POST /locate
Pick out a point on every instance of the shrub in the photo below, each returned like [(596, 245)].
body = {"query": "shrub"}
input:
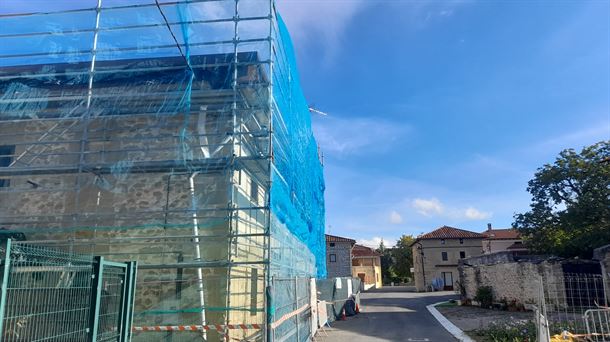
[(519, 331), (484, 296)]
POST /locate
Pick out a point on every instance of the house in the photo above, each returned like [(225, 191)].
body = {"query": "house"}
[(366, 265), (501, 240), (436, 255), (339, 256)]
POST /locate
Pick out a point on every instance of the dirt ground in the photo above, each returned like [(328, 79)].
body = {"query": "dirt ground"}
[(470, 318)]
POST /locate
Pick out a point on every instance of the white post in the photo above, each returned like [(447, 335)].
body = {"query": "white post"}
[(197, 248)]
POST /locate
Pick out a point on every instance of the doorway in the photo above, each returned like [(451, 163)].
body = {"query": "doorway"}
[(362, 276), (447, 281)]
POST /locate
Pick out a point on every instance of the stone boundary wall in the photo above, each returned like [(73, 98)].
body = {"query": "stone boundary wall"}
[(516, 280), (602, 254)]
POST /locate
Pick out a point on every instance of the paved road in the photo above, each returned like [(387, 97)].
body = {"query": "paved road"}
[(391, 314)]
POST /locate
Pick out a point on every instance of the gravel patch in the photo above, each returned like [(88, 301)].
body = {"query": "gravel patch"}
[(471, 318)]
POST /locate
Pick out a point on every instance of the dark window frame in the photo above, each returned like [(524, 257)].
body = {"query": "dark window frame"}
[(462, 254), (332, 258), (444, 256)]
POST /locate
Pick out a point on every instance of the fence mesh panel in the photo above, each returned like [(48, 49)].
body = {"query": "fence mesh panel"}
[(48, 295), (575, 305), (52, 295)]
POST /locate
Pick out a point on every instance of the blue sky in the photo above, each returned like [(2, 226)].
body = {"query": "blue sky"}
[(441, 111)]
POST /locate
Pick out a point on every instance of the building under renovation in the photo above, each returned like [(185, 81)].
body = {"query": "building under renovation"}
[(173, 133)]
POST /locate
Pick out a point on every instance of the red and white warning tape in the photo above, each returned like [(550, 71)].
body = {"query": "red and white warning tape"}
[(288, 316), (217, 327)]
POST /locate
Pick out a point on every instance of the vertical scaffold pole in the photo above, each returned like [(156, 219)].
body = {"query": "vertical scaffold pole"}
[(296, 305), (267, 242), (5, 281)]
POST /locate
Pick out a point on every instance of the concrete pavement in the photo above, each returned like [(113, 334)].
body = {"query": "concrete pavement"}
[(391, 314)]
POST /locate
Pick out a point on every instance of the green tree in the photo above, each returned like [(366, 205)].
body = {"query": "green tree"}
[(570, 211), (403, 257), (387, 262)]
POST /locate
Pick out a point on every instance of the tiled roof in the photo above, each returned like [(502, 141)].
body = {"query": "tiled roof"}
[(363, 251), (501, 234), (333, 238), (446, 232)]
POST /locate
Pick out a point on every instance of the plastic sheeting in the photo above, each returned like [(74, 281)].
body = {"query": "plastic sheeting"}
[(174, 133)]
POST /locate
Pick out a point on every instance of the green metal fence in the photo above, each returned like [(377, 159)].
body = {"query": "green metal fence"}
[(49, 295)]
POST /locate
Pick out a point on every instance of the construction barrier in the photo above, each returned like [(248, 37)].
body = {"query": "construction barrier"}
[(217, 327)]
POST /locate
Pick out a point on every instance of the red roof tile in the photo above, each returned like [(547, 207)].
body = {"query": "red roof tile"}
[(446, 232), (501, 234), (363, 251), (333, 238)]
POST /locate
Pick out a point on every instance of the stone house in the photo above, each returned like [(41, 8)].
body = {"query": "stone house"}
[(436, 255), (366, 265), (339, 256), (500, 240)]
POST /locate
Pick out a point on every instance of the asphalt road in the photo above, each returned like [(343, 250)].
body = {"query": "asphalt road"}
[(391, 314)]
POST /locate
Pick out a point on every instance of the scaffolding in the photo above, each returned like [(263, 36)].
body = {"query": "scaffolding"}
[(169, 132)]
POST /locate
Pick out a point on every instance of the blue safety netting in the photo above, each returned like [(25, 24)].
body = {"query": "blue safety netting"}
[(297, 192), (129, 129)]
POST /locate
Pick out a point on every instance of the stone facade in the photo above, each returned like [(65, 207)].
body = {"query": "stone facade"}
[(338, 256), (602, 255), (368, 269), (514, 279), (436, 255), (123, 212)]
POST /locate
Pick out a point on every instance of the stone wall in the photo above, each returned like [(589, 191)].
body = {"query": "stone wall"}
[(602, 255), (342, 267), (516, 281)]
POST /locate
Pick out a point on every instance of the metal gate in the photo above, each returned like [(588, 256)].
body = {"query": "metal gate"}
[(56, 296)]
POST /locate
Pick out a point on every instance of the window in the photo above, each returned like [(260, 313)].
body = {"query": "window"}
[(444, 256), (462, 254), (332, 244), (6, 157), (254, 191), (442, 241), (461, 241), (332, 257)]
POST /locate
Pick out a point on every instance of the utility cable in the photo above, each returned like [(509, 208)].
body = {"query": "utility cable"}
[(169, 28)]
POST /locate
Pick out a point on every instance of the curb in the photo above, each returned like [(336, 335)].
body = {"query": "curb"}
[(450, 327)]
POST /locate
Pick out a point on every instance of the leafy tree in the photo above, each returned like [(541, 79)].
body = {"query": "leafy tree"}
[(387, 262), (570, 211), (403, 257)]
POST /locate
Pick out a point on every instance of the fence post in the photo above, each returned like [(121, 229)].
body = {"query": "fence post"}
[(5, 275), (128, 301), (96, 296)]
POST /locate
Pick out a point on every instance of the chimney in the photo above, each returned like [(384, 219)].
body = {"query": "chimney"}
[(489, 227)]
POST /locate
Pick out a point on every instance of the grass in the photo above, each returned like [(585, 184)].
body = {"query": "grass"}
[(448, 304)]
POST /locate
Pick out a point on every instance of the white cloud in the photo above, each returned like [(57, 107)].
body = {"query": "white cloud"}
[(428, 207), (395, 217), (320, 21), (375, 241), (474, 214), (434, 207), (350, 136)]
